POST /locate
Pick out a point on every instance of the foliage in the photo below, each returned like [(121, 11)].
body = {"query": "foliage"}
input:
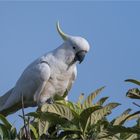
[(85, 119), (7, 131), (133, 93)]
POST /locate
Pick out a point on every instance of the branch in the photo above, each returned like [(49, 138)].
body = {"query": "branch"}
[(136, 104), (27, 134)]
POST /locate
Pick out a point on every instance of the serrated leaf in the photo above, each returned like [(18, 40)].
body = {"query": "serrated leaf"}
[(58, 109), (101, 113), (42, 126), (85, 114), (132, 137), (75, 109), (88, 101), (122, 118), (103, 135), (63, 135), (53, 119), (133, 81), (121, 129), (68, 104), (133, 93), (130, 117), (127, 111), (80, 99), (101, 101)]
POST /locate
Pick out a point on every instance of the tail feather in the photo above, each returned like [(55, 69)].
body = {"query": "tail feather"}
[(5, 97), (15, 107), (3, 100)]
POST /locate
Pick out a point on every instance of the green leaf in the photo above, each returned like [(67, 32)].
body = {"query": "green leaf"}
[(68, 104), (1, 133), (133, 81), (101, 113), (75, 109), (69, 132), (133, 93), (13, 133), (121, 129), (133, 137), (52, 119), (118, 120), (4, 132), (65, 94), (58, 109), (33, 129), (5, 122), (40, 127), (131, 116), (122, 118), (32, 114), (58, 97), (101, 101), (85, 115), (21, 134), (88, 101), (80, 100)]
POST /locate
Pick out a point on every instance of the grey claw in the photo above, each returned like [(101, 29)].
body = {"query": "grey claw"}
[(50, 101)]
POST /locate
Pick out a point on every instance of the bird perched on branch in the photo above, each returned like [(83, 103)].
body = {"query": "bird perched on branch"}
[(49, 75)]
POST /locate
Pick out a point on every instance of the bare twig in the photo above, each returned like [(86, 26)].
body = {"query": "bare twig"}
[(28, 124), (25, 126), (136, 104)]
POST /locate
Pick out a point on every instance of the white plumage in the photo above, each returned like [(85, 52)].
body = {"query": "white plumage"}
[(51, 74)]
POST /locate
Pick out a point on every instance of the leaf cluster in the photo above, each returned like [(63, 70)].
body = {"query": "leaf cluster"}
[(85, 119)]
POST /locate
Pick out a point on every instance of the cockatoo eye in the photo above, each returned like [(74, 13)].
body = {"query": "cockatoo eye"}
[(74, 47)]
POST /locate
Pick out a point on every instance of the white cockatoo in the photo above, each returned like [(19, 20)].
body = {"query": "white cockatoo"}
[(49, 75)]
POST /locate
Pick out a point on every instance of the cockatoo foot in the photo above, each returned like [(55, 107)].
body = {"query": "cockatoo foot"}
[(50, 101)]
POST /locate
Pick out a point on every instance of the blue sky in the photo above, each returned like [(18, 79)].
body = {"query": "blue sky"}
[(28, 30)]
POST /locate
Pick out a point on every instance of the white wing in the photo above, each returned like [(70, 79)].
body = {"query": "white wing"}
[(30, 86)]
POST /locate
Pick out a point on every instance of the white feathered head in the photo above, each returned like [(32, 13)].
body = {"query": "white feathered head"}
[(79, 45)]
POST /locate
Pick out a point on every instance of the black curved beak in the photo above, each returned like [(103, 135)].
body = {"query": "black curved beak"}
[(80, 56)]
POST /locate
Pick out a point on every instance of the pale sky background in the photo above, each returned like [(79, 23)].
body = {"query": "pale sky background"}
[(28, 30)]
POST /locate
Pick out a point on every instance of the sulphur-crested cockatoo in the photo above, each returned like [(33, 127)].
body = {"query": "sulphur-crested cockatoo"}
[(49, 75)]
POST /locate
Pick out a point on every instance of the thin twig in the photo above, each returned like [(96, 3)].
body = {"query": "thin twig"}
[(136, 104), (25, 127), (28, 124)]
